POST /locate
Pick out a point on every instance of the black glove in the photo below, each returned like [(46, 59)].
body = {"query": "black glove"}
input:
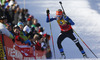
[(48, 12)]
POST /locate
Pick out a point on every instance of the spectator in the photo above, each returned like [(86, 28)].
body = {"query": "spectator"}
[(35, 24), (29, 20), (11, 3), (16, 16), (41, 30), (3, 28), (6, 4), (7, 13), (1, 11), (27, 31), (36, 42), (26, 14), (22, 16), (9, 27), (16, 30), (23, 35), (45, 41)]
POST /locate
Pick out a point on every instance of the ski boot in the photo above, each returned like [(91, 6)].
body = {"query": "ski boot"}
[(85, 56), (63, 55)]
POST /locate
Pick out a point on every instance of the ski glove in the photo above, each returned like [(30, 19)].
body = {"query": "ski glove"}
[(48, 12)]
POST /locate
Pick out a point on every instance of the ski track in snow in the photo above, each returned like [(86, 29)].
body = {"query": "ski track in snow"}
[(85, 14)]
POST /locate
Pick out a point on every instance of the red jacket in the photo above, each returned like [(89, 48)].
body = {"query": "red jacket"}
[(18, 38), (38, 46)]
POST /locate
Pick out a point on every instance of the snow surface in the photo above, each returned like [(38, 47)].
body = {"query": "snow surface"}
[(85, 14)]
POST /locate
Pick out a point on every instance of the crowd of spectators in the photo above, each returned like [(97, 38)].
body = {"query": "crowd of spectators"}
[(23, 26)]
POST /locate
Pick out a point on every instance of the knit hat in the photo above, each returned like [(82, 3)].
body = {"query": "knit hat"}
[(45, 34), (59, 12), (20, 23), (31, 16), (28, 19)]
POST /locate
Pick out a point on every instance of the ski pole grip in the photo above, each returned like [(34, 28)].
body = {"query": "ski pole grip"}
[(60, 2), (47, 11)]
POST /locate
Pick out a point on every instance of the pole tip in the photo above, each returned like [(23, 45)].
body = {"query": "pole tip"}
[(60, 2)]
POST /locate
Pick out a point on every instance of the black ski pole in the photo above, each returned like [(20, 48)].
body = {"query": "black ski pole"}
[(62, 9), (86, 44), (48, 12), (76, 33)]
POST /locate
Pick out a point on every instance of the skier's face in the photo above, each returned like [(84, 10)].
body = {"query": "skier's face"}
[(59, 17)]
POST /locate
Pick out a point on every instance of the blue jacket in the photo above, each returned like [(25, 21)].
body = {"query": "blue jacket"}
[(65, 18)]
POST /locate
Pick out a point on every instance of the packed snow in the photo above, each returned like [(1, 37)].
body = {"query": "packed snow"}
[(85, 14)]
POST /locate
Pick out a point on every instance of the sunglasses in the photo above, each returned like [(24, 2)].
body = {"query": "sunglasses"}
[(59, 15)]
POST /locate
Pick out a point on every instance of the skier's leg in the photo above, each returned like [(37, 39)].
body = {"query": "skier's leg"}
[(76, 41), (80, 48), (59, 40)]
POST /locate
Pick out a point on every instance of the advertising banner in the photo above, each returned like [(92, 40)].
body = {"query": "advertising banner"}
[(18, 51)]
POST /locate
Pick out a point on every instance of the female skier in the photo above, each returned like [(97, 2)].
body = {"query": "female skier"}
[(66, 31)]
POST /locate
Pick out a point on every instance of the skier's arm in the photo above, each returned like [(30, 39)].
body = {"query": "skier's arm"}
[(51, 19), (48, 19), (69, 20)]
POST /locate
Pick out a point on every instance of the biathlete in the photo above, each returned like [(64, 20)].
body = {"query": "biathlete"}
[(66, 31)]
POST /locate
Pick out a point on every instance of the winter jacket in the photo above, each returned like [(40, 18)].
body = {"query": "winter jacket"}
[(7, 13), (16, 17), (1, 12), (18, 38), (64, 23), (38, 46), (23, 35), (22, 38)]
